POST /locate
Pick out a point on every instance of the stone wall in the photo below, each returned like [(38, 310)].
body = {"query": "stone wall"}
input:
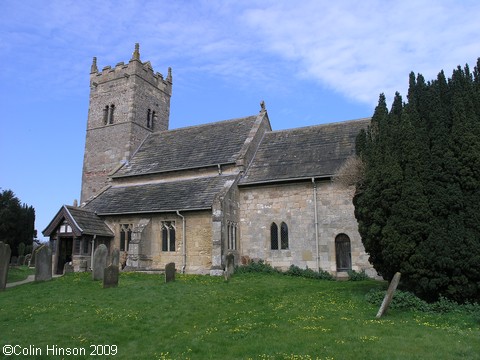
[(151, 257), (293, 204)]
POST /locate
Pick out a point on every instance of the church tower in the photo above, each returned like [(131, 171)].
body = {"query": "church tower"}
[(127, 103)]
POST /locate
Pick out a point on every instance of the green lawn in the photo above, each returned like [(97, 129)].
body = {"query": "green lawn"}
[(18, 273), (253, 316)]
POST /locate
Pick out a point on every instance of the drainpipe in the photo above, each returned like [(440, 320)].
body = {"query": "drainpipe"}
[(93, 248), (316, 222), (184, 249)]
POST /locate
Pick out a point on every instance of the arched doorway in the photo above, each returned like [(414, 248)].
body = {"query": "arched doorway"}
[(343, 252)]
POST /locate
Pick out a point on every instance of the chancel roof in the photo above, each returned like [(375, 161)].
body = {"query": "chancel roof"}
[(315, 151), (183, 195), (190, 147), (82, 221)]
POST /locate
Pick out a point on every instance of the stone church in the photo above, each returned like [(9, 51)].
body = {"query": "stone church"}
[(194, 195)]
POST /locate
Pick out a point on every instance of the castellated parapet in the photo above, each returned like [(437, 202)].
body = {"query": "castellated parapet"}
[(127, 103)]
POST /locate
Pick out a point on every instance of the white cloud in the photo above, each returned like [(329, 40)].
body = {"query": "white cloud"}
[(363, 48)]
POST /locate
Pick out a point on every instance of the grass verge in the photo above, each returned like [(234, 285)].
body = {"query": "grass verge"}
[(252, 316), (19, 273)]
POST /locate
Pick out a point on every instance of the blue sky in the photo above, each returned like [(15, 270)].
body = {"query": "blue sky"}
[(312, 62)]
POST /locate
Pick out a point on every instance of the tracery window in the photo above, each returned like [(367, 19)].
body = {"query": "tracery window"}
[(168, 235), (125, 236), (108, 114), (232, 235)]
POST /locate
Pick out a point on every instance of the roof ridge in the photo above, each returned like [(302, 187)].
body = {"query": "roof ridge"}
[(344, 122), (208, 124)]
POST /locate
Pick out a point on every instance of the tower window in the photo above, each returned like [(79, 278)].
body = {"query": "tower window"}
[(108, 114), (150, 118)]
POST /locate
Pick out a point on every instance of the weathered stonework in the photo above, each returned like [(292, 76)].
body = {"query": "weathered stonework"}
[(135, 92), (293, 204)]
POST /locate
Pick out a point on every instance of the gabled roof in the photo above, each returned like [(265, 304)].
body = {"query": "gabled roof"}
[(184, 195), (82, 221), (315, 151), (190, 147)]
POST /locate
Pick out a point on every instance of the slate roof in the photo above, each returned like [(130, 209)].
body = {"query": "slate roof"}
[(82, 221), (191, 194), (190, 147), (315, 151)]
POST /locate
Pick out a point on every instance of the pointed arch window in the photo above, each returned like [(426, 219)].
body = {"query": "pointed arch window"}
[(284, 236), (125, 236), (108, 114), (343, 252), (274, 236), (168, 235)]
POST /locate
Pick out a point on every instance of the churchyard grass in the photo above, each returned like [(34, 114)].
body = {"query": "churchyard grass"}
[(19, 273), (251, 316)]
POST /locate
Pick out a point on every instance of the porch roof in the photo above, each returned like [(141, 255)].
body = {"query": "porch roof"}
[(81, 220)]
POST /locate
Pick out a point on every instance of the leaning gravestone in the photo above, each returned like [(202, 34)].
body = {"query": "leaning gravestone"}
[(110, 276), (99, 262), (170, 272), (389, 295), (43, 263), (5, 253)]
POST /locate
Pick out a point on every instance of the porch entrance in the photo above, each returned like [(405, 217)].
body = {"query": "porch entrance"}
[(65, 249)]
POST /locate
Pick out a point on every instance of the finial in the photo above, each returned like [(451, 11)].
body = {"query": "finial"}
[(169, 76), (136, 53), (94, 68), (262, 106)]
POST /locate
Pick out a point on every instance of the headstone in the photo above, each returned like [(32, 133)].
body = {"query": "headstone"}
[(170, 272), (110, 276), (33, 258), (13, 261), (5, 253), (83, 265), (389, 295), (99, 262), (116, 257), (43, 263), (28, 257), (68, 268), (21, 260), (230, 267)]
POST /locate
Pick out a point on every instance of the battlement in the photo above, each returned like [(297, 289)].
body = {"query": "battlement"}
[(135, 67)]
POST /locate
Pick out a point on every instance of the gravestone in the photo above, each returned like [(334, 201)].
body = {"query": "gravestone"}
[(83, 266), (5, 253), (116, 257), (68, 268), (14, 261), (28, 257), (389, 295), (110, 276), (21, 260), (230, 267), (170, 272), (99, 262), (43, 263), (32, 259)]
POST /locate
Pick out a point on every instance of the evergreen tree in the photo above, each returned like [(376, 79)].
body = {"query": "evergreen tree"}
[(419, 204), (17, 222)]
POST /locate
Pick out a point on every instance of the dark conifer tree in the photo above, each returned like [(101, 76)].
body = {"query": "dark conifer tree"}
[(418, 207)]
